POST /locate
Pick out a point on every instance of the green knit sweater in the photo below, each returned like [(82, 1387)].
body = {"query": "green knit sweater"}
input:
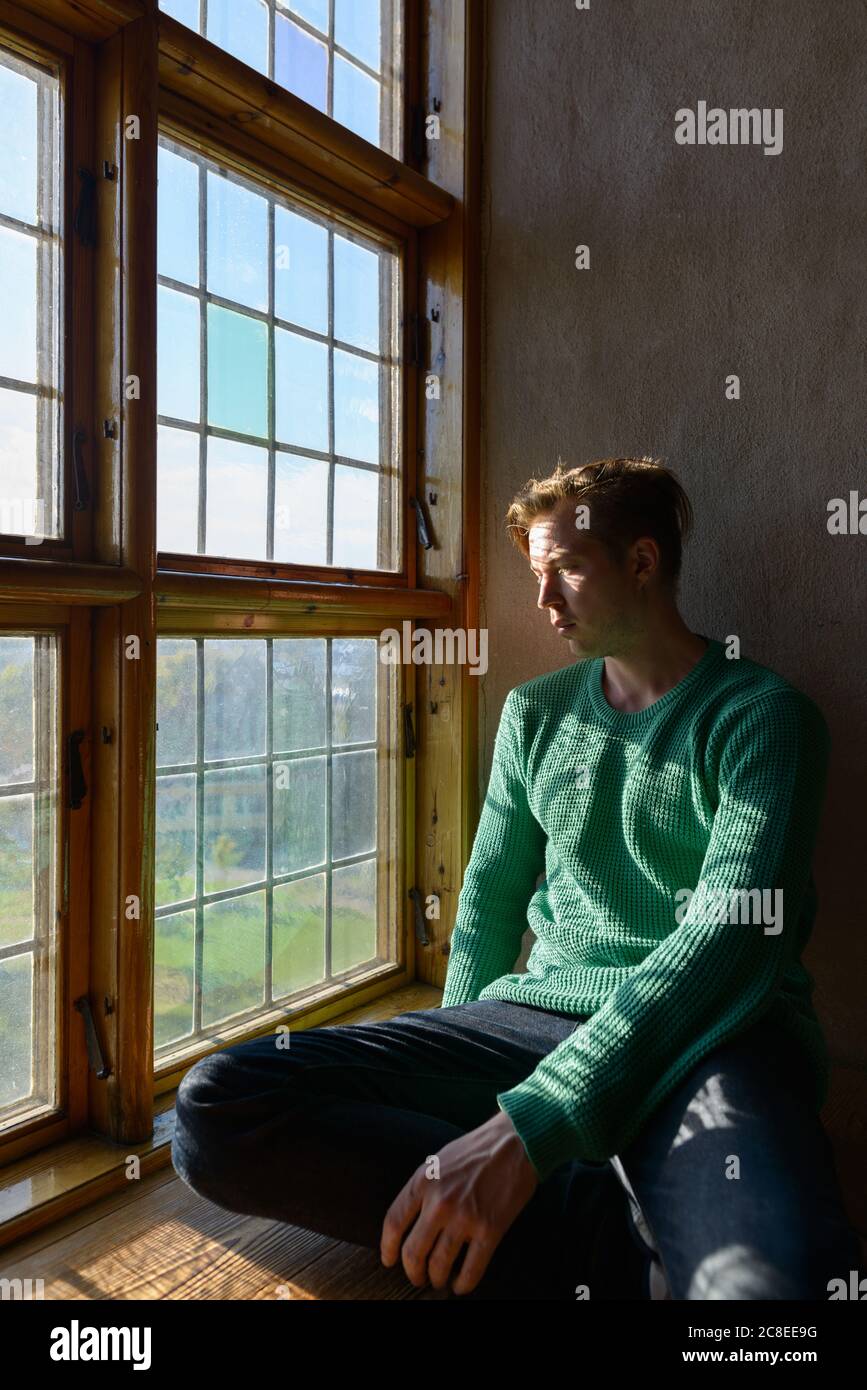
[(717, 788)]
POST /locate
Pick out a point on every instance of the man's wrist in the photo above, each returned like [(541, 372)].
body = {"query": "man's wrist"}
[(503, 1129)]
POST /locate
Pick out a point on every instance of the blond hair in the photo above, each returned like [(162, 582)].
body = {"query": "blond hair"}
[(627, 498)]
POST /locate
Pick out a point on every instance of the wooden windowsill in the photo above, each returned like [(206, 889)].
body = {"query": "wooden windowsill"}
[(43, 1187)]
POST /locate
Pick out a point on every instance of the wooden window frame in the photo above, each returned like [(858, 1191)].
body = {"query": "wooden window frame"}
[(106, 583)]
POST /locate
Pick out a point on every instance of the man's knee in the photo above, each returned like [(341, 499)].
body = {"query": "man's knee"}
[(201, 1132)]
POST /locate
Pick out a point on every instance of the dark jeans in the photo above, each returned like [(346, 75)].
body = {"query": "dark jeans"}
[(324, 1134)]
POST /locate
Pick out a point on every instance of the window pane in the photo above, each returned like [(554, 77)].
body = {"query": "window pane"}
[(293, 42), (301, 63), (237, 222), (31, 292), (237, 372), (233, 957), (356, 407), (302, 390), (356, 28), (28, 874), (177, 487), (301, 377), (237, 499), (241, 27), (271, 851), (178, 217), (300, 270), (178, 390), (301, 510), (356, 294), (356, 99)]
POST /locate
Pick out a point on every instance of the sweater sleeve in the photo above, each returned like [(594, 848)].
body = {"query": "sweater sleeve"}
[(708, 979), (508, 856)]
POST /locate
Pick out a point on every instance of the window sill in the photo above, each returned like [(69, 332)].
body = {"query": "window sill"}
[(46, 1186)]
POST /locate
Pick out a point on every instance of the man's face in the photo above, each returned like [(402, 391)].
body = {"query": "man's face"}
[(581, 584)]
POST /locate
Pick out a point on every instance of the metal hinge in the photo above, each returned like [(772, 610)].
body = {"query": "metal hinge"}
[(94, 1051), (421, 523), (421, 935)]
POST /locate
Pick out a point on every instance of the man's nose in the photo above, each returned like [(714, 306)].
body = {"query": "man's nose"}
[(548, 592)]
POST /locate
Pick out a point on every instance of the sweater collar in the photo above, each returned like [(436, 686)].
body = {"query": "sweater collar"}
[(633, 719)]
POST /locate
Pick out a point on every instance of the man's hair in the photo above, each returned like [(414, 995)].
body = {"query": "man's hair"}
[(627, 498)]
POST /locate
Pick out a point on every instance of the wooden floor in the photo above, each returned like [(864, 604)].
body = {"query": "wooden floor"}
[(162, 1241)]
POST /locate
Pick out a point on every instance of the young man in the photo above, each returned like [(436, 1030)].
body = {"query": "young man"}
[(661, 1046)]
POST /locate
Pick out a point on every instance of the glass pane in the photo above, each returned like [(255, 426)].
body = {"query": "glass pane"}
[(356, 407), (302, 390), (353, 928), (177, 489), (233, 957), (234, 699), (299, 814), (19, 159), (16, 710), (353, 690), (31, 293), (28, 873), (16, 868), (300, 270), (353, 804), (174, 973), (241, 27), (301, 63), (237, 522), (16, 1030), (178, 385), (356, 517), (234, 831), (175, 840), (356, 100), (19, 511), (237, 242), (18, 297), (176, 702), (300, 712), (237, 372), (299, 934), (178, 217), (301, 510), (356, 294), (356, 28)]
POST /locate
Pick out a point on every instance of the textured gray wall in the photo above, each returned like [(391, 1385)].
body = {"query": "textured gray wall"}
[(705, 261)]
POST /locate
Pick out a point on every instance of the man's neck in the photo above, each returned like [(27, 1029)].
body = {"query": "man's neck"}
[(658, 659)]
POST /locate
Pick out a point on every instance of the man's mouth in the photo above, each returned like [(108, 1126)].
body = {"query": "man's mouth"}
[(563, 626)]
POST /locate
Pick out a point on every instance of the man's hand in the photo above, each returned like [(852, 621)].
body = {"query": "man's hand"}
[(485, 1180)]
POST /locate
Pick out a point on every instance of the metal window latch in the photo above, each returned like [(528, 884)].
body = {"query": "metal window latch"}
[(94, 1051), (421, 523), (77, 784), (408, 732), (81, 496), (85, 214), (420, 927)]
